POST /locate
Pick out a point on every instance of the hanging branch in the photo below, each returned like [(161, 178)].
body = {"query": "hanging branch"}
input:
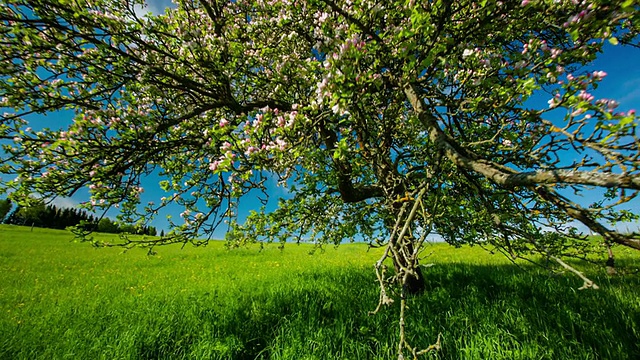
[(587, 282)]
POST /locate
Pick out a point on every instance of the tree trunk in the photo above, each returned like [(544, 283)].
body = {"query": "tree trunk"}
[(392, 180), (610, 264), (415, 284)]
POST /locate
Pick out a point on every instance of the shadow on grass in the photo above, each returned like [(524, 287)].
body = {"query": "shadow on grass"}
[(506, 312), (484, 312)]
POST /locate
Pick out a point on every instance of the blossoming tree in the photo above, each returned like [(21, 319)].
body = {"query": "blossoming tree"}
[(387, 120)]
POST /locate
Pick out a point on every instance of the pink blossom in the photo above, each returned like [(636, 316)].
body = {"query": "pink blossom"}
[(577, 112), (544, 45), (583, 95), (213, 166), (250, 150), (598, 75), (223, 122), (281, 144), (292, 119), (611, 104), (322, 17), (554, 102), (524, 3)]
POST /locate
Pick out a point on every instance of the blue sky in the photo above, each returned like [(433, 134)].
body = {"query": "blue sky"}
[(622, 84)]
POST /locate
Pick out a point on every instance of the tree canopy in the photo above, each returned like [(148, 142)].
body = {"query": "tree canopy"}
[(386, 120)]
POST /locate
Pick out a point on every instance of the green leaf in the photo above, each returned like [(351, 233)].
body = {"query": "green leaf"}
[(164, 185)]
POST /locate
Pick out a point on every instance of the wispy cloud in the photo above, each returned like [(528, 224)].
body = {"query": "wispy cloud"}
[(155, 7), (630, 93), (622, 227), (276, 188), (627, 227), (60, 201)]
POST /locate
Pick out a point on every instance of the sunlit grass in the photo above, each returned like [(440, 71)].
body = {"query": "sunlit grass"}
[(60, 299)]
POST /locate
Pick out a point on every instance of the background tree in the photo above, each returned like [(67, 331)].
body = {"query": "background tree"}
[(32, 215), (105, 225), (150, 230), (13, 218), (5, 208), (49, 216), (387, 120)]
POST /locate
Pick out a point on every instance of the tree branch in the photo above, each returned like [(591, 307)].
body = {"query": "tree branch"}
[(508, 177), (587, 283)]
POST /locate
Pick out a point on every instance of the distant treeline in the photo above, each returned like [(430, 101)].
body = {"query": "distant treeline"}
[(53, 217)]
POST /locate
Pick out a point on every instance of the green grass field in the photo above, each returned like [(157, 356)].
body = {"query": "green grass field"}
[(66, 300)]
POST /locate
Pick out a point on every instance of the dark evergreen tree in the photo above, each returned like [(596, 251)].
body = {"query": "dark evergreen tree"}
[(14, 217), (5, 208), (51, 216)]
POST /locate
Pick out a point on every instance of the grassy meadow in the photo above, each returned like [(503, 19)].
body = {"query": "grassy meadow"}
[(66, 300)]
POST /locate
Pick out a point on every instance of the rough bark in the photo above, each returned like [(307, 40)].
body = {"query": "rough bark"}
[(415, 284)]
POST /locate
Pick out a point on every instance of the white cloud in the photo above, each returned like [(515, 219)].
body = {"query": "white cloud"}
[(60, 201), (65, 202)]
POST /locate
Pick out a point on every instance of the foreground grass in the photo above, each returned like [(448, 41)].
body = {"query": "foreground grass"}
[(60, 299)]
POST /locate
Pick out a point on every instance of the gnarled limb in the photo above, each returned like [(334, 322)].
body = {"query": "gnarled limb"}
[(507, 177)]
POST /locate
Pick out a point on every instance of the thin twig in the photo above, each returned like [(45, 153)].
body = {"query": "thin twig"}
[(587, 283)]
